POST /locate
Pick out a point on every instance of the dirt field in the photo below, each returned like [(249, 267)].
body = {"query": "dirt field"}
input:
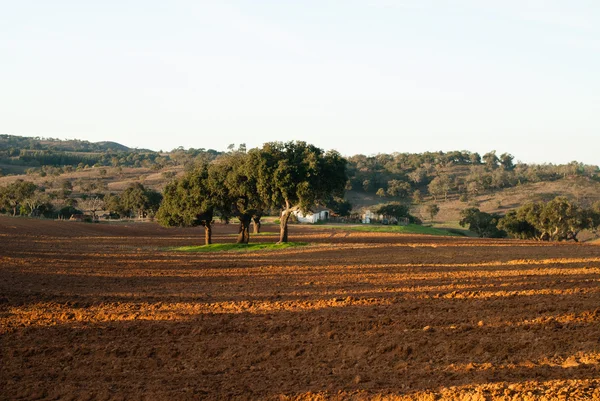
[(97, 311)]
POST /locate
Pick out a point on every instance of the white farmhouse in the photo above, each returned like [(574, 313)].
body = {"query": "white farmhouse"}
[(315, 214)]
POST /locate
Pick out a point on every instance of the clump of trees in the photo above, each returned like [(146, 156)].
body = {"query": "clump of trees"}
[(25, 198), (485, 225), (135, 201), (445, 174), (397, 211), (557, 220), (287, 176)]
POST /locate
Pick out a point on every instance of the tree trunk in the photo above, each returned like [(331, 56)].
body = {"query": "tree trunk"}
[(283, 226), (207, 233), (256, 221), (244, 230)]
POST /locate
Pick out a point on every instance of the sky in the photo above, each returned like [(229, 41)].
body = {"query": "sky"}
[(371, 76)]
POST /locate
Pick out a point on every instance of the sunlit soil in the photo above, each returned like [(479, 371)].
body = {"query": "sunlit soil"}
[(93, 311)]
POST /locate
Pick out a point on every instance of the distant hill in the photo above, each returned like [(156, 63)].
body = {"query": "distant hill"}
[(452, 180), (15, 142), (107, 145)]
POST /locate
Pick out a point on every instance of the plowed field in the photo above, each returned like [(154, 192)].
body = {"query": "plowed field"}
[(99, 311)]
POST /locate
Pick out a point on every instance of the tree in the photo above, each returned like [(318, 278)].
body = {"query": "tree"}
[(15, 194), (92, 204), (66, 188), (557, 220), (398, 188), (440, 185), (562, 220), (139, 200), (38, 204), (481, 223), (112, 204), (191, 201), (517, 226), (340, 206), (397, 211), (235, 178), (475, 158), (296, 176), (418, 176), (432, 210), (417, 197), (491, 160), (506, 160), (380, 192)]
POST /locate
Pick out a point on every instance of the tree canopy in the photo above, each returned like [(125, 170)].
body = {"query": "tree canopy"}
[(557, 220), (296, 176)]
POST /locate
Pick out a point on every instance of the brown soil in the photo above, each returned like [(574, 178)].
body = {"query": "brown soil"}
[(99, 311)]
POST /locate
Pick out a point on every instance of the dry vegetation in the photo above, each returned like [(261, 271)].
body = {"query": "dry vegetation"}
[(98, 311)]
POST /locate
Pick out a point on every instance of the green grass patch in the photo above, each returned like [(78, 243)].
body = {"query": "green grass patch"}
[(409, 229), (238, 247)]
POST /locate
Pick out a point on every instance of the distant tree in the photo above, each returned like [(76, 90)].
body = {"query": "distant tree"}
[(418, 176), (13, 196), (557, 220), (112, 204), (139, 200), (398, 188), (441, 185), (491, 160), (506, 160), (417, 197), (37, 204), (516, 225), (475, 158), (432, 210), (485, 225), (92, 204), (66, 188), (67, 211), (398, 211), (340, 206), (381, 193)]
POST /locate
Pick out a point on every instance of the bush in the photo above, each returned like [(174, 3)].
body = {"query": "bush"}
[(67, 211), (483, 224)]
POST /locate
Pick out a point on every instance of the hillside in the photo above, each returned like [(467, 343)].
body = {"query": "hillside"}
[(453, 180)]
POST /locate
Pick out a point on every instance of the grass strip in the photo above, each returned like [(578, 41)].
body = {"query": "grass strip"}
[(409, 229)]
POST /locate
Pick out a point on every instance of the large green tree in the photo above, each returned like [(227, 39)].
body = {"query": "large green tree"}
[(235, 177), (295, 176), (192, 200)]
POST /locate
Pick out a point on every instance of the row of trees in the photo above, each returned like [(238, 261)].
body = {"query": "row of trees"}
[(439, 174), (557, 220), (287, 176), (26, 198)]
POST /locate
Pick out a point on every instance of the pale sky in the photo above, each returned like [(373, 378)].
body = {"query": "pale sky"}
[(372, 76)]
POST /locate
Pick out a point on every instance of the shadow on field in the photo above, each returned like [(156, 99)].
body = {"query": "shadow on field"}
[(243, 355)]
